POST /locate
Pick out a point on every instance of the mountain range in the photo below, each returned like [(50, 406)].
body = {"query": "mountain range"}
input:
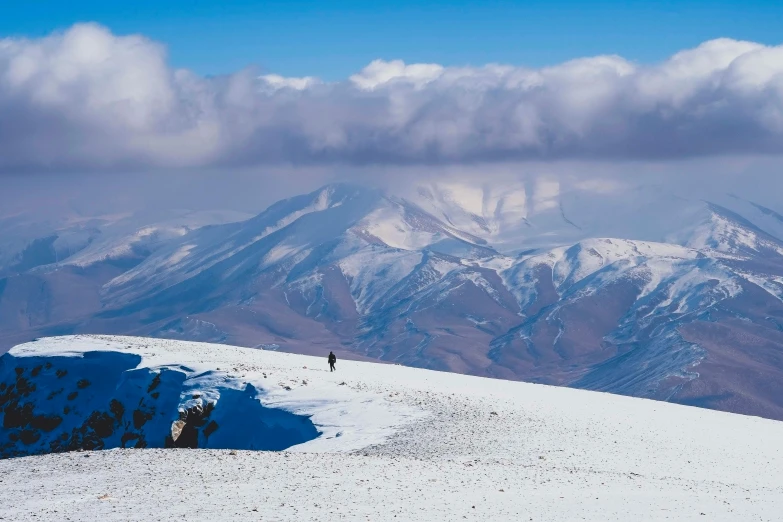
[(640, 291)]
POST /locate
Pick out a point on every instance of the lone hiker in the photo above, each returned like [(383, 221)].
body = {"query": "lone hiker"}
[(332, 360)]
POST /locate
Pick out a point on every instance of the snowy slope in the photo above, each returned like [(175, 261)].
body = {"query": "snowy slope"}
[(414, 445), (80, 241), (133, 239)]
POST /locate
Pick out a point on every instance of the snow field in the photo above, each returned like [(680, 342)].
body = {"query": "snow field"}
[(416, 445)]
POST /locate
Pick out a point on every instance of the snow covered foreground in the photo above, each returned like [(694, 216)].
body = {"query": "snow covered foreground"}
[(412, 445)]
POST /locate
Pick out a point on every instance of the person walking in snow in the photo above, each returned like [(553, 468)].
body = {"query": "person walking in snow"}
[(332, 360)]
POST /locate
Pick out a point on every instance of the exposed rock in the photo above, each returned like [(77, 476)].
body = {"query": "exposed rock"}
[(190, 422), (176, 429), (154, 384), (210, 428), (140, 418), (112, 403)]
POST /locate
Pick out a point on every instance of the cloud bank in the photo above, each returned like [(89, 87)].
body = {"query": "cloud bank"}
[(86, 99)]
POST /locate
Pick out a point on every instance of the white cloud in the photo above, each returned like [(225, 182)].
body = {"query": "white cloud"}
[(88, 99), (380, 73), (275, 82)]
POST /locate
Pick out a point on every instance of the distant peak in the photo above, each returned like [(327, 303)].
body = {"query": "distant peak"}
[(343, 191)]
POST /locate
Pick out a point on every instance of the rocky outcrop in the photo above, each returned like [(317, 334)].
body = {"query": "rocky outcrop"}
[(192, 421), (102, 400)]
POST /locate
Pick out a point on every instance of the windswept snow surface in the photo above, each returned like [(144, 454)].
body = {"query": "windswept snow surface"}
[(416, 445)]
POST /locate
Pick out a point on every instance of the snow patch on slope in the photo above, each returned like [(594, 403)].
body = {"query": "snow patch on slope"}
[(390, 227), (726, 234), (114, 245), (589, 256), (373, 272), (322, 202)]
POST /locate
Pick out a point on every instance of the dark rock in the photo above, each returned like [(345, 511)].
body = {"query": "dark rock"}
[(140, 418), (29, 436), (185, 430), (24, 387), (117, 409), (45, 422), (101, 423), (154, 384), (210, 428), (17, 416), (54, 394), (127, 437)]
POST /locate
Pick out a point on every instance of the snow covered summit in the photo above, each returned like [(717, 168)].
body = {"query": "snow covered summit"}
[(371, 441)]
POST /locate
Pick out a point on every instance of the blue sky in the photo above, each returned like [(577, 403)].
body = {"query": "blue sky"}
[(333, 39)]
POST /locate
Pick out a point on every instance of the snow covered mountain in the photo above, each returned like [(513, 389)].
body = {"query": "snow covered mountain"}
[(641, 292), (78, 240), (371, 441)]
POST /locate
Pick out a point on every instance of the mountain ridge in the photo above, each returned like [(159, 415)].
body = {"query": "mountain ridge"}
[(473, 280)]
